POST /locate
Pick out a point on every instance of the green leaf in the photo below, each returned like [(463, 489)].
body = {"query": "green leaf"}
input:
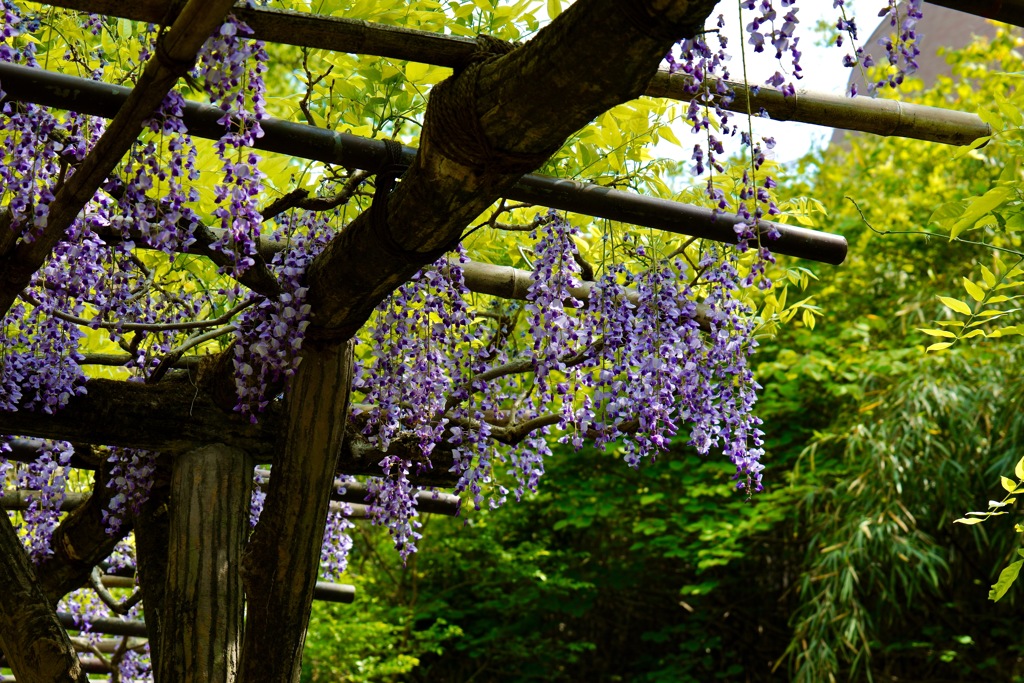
[(650, 498), (976, 292), (967, 149), (940, 346), (415, 71), (969, 520), (1005, 580), (1018, 469), (1009, 112), (554, 8), (980, 206), (1008, 484), (937, 333), (956, 305), (988, 276), (1015, 222), (991, 118)]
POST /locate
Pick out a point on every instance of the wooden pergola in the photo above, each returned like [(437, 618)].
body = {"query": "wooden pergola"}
[(308, 440)]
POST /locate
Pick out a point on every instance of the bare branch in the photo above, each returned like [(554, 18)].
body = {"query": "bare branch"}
[(121, 607), (146, 327)]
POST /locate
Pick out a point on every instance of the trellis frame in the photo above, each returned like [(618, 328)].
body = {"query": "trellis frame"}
[(24, 259)]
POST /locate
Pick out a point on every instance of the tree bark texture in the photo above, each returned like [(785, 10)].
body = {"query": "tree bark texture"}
[(281, 563), (203, 601), (36, 646), (595, 55), (152, 539), (172, 416)]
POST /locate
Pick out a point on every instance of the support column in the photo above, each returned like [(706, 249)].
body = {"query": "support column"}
[(282, 559), (203, 601)]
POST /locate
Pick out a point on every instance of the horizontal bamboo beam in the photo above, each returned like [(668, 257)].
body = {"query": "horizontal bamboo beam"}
[(864, 114), (105, 645), (426, 501), (324, 590), (878, 116), (25, 450), (107, 626), (309, 142), (21, 500)]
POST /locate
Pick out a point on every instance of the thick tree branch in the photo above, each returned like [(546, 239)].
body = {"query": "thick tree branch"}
[(280, 564), (174, 415), (34, 643), (595, 55), (203, 599)]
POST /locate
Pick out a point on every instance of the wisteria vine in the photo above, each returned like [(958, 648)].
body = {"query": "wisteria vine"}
[(656, 346)]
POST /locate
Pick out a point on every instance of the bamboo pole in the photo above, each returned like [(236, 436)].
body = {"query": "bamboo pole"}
[(426, 501), (22, 499), (338, 34), (309, 142), (861, 114)]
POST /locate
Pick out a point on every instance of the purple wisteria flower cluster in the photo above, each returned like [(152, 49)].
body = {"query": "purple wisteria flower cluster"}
[(767, 26), (420, 346), (131, 477), (901, 46), (656, 346), (269, 334), (232, 67), (634, 362), (96, 279), (48, 476)]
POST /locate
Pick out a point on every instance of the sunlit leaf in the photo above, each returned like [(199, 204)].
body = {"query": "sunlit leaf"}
[(976, 292), (988, 276), (937, 333), (969, 520), (956, 305), (1005, 580)]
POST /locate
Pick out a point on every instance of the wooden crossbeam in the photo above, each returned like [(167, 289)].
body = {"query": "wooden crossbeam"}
[(863, 114)]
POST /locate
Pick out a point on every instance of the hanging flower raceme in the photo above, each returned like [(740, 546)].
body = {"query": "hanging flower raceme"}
[(231, 67), (269, 334), (131, 478), (47, 477), (420, 348)]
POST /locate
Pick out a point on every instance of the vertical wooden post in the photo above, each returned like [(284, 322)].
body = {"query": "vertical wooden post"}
[(203, 601), (152, 539), (281, 562)]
